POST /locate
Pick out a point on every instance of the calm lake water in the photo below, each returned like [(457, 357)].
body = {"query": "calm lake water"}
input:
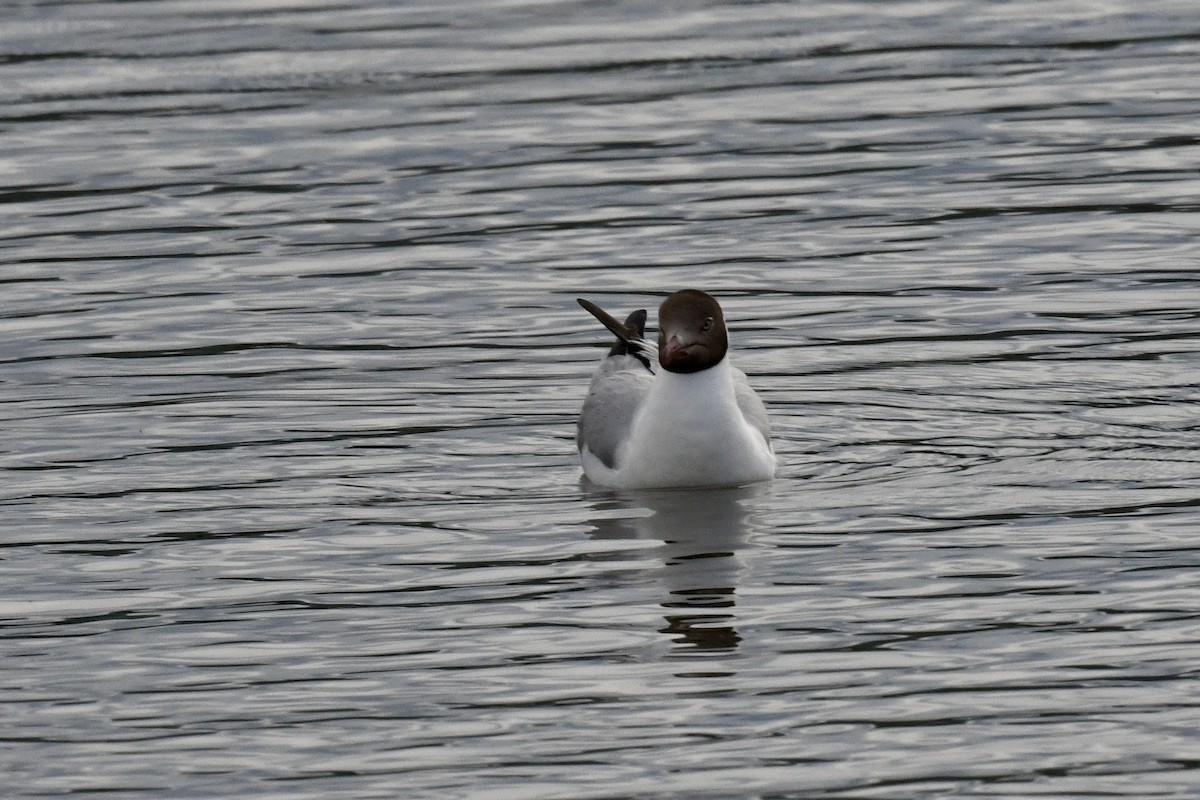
[(290, 363)]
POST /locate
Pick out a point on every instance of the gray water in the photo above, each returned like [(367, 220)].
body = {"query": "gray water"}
[(290, 363)]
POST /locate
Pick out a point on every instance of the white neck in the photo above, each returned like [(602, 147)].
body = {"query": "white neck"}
[(694, 393)]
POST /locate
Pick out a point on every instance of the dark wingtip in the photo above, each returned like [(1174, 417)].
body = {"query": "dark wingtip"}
[(636, 322), (618, 329), (629, 333)]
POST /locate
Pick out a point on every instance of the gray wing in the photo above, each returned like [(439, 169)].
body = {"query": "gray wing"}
[(751, 405), (618, 389)]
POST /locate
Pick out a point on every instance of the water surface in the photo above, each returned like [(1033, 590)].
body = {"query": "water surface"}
[(290, 363)]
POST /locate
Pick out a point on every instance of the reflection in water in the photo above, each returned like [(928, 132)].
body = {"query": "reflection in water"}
[(701, 531)]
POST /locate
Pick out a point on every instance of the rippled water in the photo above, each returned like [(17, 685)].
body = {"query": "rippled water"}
[(290, 364)]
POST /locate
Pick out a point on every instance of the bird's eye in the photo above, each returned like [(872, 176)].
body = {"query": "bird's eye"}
[(708, 323)]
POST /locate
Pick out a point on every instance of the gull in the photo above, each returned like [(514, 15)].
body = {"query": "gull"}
[(692, 421)]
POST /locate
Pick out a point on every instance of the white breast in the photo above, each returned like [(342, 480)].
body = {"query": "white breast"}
[(689, 431)]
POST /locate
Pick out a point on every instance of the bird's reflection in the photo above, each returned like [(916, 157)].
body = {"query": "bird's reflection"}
[(701, 531)]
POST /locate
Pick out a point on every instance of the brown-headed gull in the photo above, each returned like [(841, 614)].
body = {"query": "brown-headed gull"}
[(694, 421)]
